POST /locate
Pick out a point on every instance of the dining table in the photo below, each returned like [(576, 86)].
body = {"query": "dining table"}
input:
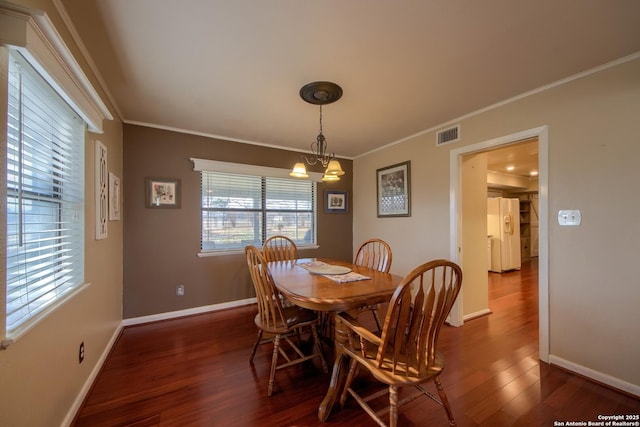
[(332, 286)]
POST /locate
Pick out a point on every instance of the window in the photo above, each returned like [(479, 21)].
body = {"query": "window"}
[(240, 210), (45, 197)]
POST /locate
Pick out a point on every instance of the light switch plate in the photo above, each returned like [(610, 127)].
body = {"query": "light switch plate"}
[(571, 217)]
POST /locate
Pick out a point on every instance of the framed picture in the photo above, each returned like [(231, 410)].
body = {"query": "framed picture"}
[(162, 193), (335, 201), (102, 190), (114, 197), (394, 190)]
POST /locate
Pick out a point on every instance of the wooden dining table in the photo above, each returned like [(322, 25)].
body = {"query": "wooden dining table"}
[(321, 293)]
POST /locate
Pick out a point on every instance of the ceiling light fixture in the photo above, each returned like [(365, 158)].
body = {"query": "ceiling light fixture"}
[(320, 93)]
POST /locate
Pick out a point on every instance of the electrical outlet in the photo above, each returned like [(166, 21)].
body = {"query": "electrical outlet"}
[(180, 290), (81, 352)]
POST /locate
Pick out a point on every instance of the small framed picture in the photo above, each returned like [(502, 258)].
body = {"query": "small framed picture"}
[(114, 197), (335, 201), (394, 190), (162, 193)]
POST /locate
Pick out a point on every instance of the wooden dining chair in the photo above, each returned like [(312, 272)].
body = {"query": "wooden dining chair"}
[(280, 321), (375, 254), (279, 248), (405, 354)]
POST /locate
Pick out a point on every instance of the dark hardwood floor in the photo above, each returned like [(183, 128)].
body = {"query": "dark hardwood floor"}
[(195, 371)]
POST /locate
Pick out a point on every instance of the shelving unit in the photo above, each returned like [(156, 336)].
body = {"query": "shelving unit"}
[(525, 229)]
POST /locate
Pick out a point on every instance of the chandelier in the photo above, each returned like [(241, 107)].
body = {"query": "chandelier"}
[(320, 93)]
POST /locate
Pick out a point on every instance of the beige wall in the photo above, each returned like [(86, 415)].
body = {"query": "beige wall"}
[(594, 148), (161, 245), (41, 376), (474, 235)]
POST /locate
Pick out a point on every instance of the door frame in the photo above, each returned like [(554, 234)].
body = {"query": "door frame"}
[(456, 248)]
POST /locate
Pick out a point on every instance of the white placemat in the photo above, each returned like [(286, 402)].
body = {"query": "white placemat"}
[(345, 278), (337, 273)]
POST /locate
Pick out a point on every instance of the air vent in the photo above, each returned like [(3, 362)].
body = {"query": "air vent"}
[(448, 135)]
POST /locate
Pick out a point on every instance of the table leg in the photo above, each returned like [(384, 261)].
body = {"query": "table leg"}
[(326, 327), (338, 377), (338, 374)]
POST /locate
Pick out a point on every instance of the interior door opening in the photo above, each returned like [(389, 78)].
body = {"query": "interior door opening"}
[(462, 248)]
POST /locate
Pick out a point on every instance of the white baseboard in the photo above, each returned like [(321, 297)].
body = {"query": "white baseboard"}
[(187, 312), (137, 321), (476, 314), (600, 377)]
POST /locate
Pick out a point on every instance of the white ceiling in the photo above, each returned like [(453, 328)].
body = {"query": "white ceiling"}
[(519, 159), (233, 68)]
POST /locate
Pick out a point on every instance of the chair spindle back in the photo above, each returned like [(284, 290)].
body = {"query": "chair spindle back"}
[(375, 254), (417, 311), (268, 297), (279, 248)]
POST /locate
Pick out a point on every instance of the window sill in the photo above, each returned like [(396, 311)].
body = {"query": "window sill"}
[(241, 251), (10, 339)]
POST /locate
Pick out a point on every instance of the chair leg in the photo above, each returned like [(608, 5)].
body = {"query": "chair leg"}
[(274, 361), (445, 401), (255, 346), (393, 406), (376, 318)]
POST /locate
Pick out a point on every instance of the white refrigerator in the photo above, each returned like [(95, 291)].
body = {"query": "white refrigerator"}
[(503, 229)]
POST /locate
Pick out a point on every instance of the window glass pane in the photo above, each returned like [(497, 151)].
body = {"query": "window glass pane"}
[(228, 230), (238, 210), (287, 194), (297, 226), (228, 191), (45, 196)]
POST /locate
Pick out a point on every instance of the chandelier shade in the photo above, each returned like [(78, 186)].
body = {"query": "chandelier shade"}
[(299, 171), (334, 168)]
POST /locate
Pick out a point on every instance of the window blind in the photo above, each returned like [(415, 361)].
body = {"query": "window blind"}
[(239, 210), (45, 196)]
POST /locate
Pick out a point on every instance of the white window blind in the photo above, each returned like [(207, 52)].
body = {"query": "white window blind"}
[(239, 210), (45, 197)]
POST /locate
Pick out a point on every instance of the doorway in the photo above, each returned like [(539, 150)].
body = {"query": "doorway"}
[(457, 243)]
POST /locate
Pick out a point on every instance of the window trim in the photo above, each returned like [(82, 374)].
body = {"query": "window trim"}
[(200, 165), (33, 34), (206, 165)]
